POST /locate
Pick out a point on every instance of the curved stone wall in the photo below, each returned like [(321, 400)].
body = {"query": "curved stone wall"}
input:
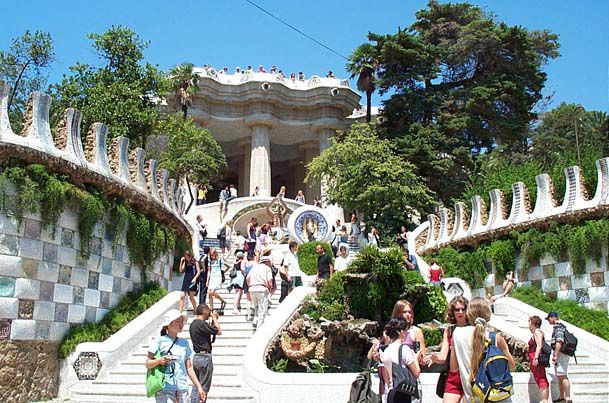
[(455, 228)]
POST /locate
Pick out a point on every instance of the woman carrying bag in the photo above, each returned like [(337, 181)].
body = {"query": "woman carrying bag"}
[(174, 355)]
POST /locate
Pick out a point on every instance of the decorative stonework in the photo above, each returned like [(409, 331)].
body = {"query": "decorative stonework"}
[(87, 366), (309, 223)]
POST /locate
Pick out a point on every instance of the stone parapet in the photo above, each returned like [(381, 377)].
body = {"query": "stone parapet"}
[(452, 229), (115, 171)]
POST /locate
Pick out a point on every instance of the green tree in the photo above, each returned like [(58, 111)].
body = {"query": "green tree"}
[(23, 67), (460, 83), (361, 64), (192, 153), (364, 173), (184, 84), (121, 92)]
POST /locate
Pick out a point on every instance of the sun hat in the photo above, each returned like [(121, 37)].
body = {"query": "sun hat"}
[(265, 259), (170, 316)]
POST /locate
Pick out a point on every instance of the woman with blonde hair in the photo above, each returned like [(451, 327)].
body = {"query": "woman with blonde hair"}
[(469, 344), (456, 315)]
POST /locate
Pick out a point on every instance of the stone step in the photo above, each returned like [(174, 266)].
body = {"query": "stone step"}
[(139, 379), (218, 359), (583, 374), (140, 370), (129, 391), (217, 351)]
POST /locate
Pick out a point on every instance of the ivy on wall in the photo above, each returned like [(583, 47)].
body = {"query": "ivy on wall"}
[(580, 242), (40, 191)]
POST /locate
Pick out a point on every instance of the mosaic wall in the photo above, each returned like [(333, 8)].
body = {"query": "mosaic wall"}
[(554, 275), (46, 285)]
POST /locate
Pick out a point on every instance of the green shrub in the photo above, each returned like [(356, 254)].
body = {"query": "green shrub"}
[(132, 305), (307, 257), (594, 321), (468, 266), (432, 306), (433, 337), (503, 255)]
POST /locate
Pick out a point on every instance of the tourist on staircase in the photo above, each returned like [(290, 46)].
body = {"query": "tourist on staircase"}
[(535, 350), (508, 286), (252, 234), (325, 268), (560, 359), (414, 335), (224, 235), (248, 266), (449, 383), (436, 273), (190, 267), (215, 279), (204, 267), (237, 280), (469, 344), (201, 229), (175, 355), (260, 283), (203, 334), (291, 275), (342, 260), (396, 330)]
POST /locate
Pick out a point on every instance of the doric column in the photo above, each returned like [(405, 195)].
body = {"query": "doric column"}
[(244, 180), (260, 165)]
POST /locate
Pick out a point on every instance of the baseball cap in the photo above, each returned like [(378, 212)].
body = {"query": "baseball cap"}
[(552, 315)]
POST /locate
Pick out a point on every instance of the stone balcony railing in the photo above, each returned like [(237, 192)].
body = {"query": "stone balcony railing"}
[(240, 78), (455, 228), (116, 171)]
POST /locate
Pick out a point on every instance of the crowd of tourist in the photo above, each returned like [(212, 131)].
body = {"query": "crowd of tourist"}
[(261, 69)]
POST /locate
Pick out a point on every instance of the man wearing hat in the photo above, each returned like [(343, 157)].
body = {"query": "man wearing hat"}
[(560, 360), (260, 283)]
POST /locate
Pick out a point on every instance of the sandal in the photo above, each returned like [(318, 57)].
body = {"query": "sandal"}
[(222, 305)]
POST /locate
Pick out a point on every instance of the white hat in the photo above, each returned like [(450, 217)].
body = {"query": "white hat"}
[(170, 316), (265, 259)]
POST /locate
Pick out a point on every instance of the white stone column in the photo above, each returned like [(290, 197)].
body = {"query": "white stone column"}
[(260, 160), (244, 180)]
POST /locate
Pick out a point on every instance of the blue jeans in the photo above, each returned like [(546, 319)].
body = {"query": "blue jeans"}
[(173, 396)]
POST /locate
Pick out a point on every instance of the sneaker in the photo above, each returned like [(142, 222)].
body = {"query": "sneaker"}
[(560, 399), (254, 326)]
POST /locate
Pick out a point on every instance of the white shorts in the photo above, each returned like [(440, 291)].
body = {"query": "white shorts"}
[(562, 365)]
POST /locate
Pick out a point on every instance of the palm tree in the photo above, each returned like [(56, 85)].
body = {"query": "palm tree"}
[(185, 84), (362, 64)]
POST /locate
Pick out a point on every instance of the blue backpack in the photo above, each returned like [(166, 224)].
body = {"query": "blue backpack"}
[(493, 381)]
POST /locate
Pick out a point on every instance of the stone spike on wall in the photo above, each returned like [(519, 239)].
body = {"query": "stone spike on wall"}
[(152, 183), (601, 196), (164, 186), (5, 124), (37, 128), (446, 225), (123, 160), (434, 227), (115, 172), (460, 227), (520, 210)]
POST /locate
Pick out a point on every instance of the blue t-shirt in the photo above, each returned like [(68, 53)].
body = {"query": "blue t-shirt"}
[(176, 377)]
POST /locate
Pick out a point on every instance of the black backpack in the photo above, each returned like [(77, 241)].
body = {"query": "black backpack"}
[(569, 345), (544, 355), (361, 390), (221, 232)]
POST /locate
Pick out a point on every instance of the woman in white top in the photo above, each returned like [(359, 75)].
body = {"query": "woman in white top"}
[(468, 345), (342, 260), (396, 331), (373, 237)]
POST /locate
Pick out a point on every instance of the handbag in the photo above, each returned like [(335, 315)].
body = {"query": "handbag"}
[(155, 377), (441, 385), (404, 382)]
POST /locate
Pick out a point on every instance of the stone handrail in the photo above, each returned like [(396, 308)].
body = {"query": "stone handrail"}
[(116, 171), (454, 228), (120, 344)]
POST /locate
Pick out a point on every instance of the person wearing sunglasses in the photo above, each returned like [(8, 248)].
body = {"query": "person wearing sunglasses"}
[(456, 316)]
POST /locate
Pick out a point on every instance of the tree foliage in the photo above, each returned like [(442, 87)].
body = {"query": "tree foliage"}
[(121, 92), (192, 153), (23, 67), (365, 173), (460, 83), (362, 63)]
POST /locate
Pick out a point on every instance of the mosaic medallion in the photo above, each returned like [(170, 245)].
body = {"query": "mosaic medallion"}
[(309, 224), (87, 366)]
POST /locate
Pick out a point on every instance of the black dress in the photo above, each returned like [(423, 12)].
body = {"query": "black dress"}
[(189, 273)]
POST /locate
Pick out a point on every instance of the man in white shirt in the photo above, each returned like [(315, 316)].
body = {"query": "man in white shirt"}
[(259, 282), (342, 260), (201, 229), (291, 275)]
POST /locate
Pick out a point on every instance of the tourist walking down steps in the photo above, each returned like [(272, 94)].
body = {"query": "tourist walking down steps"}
[(203, 334), (260, 284)]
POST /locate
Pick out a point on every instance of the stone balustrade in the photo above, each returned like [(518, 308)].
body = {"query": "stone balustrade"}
[(453, 228), (116, 171)]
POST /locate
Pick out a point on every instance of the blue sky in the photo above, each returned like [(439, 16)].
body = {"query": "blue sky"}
[(234, 33)]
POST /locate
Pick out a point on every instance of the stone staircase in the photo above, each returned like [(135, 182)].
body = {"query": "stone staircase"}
[(125, 381), (589, 377)]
